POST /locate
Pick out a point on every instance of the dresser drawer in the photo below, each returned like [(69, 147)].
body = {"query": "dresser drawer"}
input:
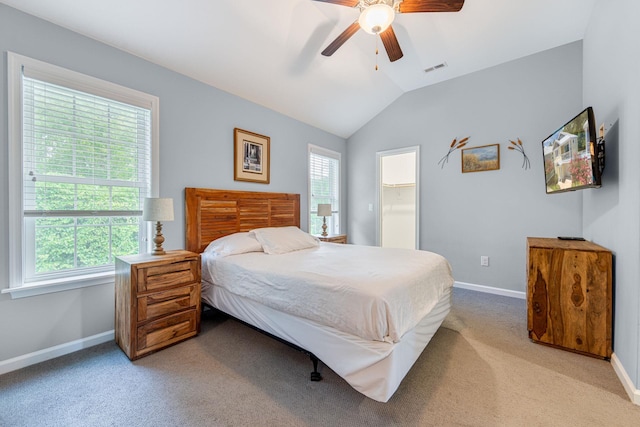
[(167, 302), (170, 274), (165, 331)]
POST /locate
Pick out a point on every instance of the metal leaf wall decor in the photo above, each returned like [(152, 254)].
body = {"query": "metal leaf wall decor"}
[(517, 146), (455, 144)]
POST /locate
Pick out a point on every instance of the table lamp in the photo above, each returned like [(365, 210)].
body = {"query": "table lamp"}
[(158, 209), (324, 210)]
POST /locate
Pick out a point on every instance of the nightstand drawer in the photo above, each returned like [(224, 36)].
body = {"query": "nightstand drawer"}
[(334, 238), (162, 276), (166, 331), (167, 302)]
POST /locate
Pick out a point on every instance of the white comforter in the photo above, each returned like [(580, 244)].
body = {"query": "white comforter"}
[(371, 292)]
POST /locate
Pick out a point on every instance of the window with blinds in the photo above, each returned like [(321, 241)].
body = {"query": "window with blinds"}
[(324, 188), (86, 169)]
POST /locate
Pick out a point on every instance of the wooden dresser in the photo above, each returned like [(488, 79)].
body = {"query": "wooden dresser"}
[(157, 301), (334, 238), (569, 295)]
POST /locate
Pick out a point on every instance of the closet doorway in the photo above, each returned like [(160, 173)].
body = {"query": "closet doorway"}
[(398, 198)]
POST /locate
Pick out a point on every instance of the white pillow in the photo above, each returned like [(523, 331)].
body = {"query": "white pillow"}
[(280, 240), (234, 244)]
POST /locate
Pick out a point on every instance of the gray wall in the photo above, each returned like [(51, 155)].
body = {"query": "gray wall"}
[(464, 216), (196, 149), (612, 214)]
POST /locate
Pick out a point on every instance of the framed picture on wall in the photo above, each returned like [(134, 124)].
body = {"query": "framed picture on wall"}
[(479, 159), (251, 156)]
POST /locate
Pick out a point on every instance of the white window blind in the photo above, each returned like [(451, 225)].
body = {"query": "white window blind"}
[(83, 155), (86, 153), (324, 186)]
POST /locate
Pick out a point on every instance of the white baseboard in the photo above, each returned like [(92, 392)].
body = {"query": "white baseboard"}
[(490, 290), (55, 351), (632, 391)]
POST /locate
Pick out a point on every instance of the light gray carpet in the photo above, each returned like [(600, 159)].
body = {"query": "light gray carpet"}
[(480, 369)]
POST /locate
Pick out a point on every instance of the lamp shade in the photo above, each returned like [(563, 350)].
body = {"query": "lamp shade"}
[(324, 209), (157, 209), (376, 18)]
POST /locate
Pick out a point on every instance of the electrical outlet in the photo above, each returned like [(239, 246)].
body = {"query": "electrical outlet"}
[(484, 261)]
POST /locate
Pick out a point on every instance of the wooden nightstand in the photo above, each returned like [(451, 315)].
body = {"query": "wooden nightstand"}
[(157, 301), (333, 238)]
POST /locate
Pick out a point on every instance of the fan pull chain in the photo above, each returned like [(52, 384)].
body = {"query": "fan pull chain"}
[(376, 53)]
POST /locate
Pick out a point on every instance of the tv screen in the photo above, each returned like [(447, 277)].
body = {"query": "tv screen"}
[(572, 158)]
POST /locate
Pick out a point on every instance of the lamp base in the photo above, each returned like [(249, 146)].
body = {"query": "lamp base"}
[(158, 240), (324, 227)]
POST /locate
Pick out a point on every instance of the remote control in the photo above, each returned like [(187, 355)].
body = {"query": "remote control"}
[(570, 238)]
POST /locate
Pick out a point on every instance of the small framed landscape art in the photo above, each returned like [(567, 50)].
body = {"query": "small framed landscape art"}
[(251, 156), (479, 159)]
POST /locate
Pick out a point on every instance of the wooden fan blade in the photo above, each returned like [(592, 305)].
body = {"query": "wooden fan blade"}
[(350, 3), (414, 6), (391, 44), (339, 41)]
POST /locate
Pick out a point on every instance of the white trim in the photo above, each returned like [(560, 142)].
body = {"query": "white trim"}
[(16, 66), (321, 151), (155, 168), (629, 387), (14, 126), (490, 290), (393, 152), (417, 152), (325, 152), (60, 76), (56, 351), (60, 284)]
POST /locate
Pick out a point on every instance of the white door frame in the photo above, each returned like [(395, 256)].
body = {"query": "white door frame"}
[(379, 155)]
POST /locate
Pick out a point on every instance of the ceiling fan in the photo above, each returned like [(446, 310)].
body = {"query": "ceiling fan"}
[(376, 17)]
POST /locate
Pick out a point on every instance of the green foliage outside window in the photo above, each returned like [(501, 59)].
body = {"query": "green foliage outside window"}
[(68, 243), (84, 155)]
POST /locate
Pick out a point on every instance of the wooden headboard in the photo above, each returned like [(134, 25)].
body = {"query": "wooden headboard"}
[(211, 214)]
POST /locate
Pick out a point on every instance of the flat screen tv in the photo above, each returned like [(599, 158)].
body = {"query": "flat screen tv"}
[(573, 157)]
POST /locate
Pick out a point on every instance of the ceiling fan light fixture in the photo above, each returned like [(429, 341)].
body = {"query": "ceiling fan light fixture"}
[(376, 18)]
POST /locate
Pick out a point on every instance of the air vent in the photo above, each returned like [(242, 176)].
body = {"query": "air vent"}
[(435, 67)]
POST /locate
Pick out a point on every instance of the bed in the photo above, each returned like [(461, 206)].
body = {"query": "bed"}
[(371, 340)]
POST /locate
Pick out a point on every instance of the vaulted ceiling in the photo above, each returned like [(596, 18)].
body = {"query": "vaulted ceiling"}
[(268, 51)]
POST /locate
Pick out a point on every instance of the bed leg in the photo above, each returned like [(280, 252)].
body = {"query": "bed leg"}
[(315, 375)]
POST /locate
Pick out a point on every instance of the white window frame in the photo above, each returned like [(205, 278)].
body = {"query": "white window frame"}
[(84, 83), (321, 151)]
